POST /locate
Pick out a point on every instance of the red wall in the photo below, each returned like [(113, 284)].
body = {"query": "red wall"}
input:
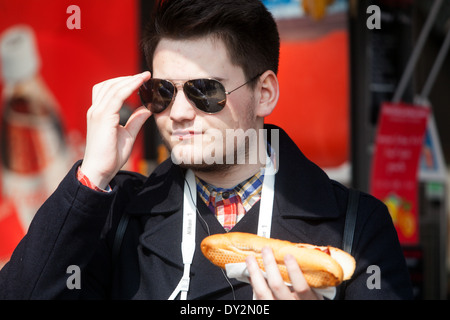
[(73, 61), (314, 99)]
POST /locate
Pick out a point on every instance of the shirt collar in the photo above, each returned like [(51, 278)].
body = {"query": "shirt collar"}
[(249, 191)]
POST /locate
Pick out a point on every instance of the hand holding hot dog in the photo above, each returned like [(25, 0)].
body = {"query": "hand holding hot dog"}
[(303, 266), (273, 287)]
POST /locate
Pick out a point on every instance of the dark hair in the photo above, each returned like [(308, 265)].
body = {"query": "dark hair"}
[(245, 26)]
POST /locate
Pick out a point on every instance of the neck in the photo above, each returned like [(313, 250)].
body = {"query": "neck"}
[(230, 176)]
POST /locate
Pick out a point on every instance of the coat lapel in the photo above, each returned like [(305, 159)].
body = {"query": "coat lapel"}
[(302, 188), (304, 195), (160, 204)]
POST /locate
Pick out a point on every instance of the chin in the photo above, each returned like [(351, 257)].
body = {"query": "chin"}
[(198, 162), (206, 167)]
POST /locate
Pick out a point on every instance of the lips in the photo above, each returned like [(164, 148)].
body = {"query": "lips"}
[(184, 134)]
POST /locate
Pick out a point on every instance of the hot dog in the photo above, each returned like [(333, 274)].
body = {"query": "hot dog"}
[(321, 266)]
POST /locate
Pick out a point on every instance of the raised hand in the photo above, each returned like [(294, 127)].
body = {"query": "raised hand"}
[(108, 144)]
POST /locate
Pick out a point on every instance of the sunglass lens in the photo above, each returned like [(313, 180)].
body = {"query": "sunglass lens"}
[(208, 95), (157, 94)]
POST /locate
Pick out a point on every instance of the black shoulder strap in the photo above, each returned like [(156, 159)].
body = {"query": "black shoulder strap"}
[(350, 220), (349, 228), (118, 237)]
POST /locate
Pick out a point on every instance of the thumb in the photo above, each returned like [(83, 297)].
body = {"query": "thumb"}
[(137, 120)]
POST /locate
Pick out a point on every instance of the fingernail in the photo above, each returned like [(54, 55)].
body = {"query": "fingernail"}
[(266, 251), (140, 75)]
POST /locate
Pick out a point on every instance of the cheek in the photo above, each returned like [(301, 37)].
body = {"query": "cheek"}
[(161, 120), (162, 123), (242, 112)]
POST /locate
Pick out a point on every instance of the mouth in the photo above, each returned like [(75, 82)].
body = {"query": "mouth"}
[(180, 135)]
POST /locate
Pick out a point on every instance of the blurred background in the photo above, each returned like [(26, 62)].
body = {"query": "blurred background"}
[(364, 93)]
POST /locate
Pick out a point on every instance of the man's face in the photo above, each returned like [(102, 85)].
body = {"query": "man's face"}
[(193, 136)]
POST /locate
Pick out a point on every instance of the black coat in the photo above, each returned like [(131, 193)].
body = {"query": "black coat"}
[(76, 226)]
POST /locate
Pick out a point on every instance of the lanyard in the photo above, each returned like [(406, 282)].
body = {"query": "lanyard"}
[(189, 221), (188, 240)]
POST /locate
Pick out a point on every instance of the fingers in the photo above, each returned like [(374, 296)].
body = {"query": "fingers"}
[(111, 94), (275, 282), (257, 280), (108, 144), (299, 284), (274, 287), (137, 120)]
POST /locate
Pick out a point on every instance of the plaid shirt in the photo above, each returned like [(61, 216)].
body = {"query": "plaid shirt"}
[(230, 205)]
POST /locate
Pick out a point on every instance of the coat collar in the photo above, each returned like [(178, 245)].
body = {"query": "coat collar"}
[(162, 193), (302, 189)]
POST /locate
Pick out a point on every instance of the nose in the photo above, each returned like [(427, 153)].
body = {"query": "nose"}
[(181, 109)]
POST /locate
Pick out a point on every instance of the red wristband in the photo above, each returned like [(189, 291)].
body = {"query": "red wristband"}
[(86, 182)]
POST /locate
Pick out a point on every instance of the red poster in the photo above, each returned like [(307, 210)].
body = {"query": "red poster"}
[(51, 54), (395, 168)]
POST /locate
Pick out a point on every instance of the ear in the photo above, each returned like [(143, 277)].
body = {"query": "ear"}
[(269, 92)]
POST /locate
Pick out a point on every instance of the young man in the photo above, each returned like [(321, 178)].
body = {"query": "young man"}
[(213, 76)]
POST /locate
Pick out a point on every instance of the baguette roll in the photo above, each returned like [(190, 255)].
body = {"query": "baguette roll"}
[(321, 266)]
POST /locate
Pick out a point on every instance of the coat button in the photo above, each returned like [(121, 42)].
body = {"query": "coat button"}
[(225, 195)]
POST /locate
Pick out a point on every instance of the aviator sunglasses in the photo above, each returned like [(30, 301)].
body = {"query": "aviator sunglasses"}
[(207, 95)]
